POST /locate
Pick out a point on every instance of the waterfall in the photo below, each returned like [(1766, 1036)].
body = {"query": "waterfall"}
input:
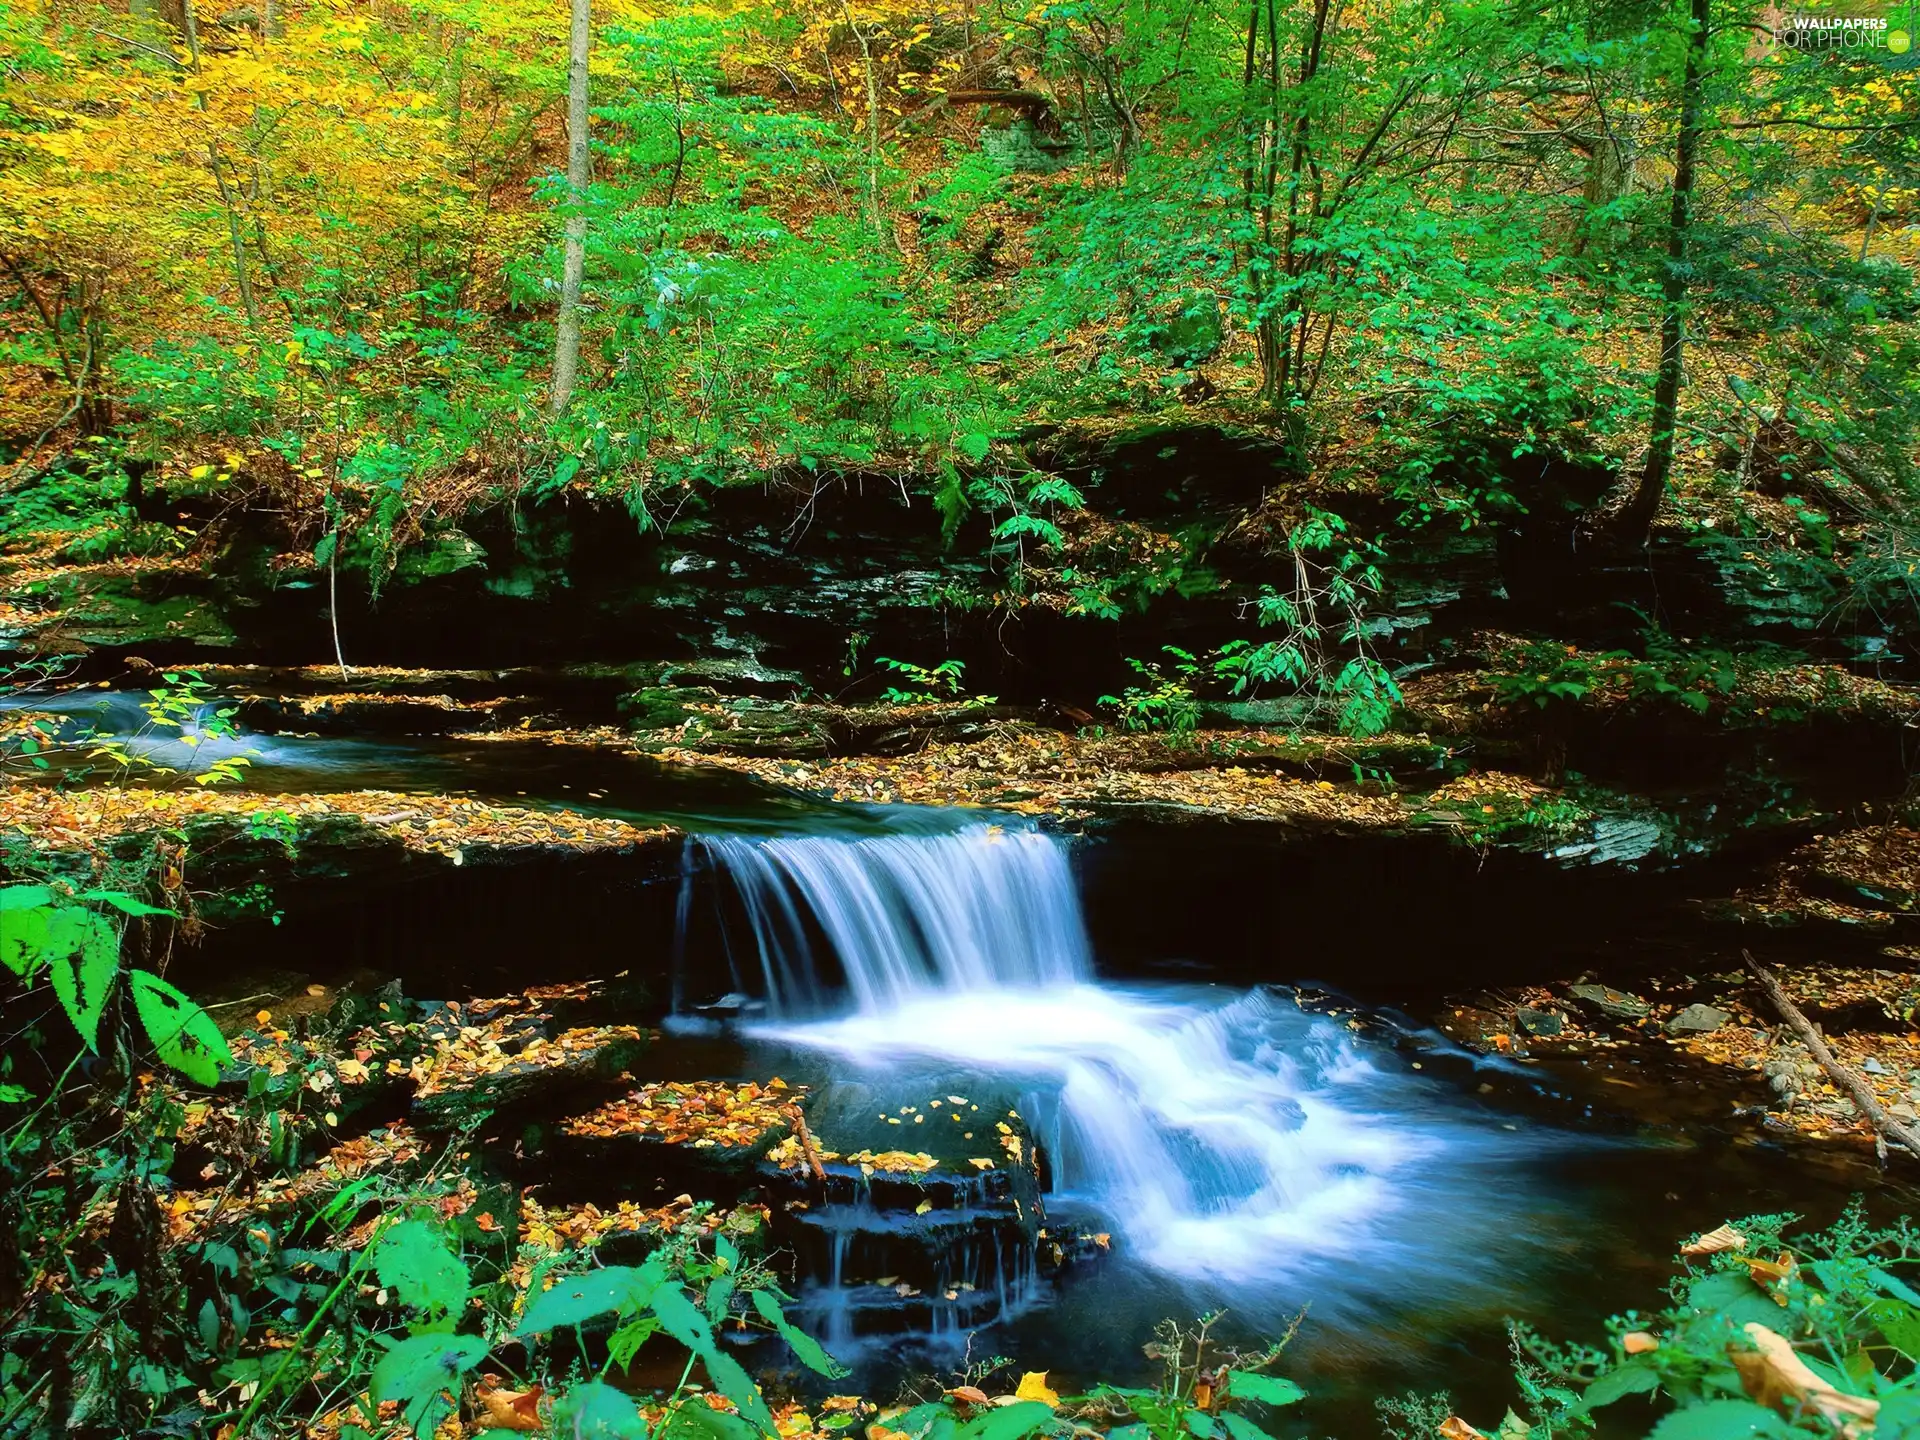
[(1217, 1131), (909, 915)]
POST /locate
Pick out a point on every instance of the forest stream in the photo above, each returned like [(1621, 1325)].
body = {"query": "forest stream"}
[(1061, 1147)]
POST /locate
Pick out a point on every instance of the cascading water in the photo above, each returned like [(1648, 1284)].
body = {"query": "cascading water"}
[(976, 911), (1218, 1132)]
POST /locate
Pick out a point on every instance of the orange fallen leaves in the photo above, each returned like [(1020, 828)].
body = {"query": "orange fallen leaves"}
[(704, 1114), (510, 1409), (1715, 1241), (1773, 1375), (473, 1052)]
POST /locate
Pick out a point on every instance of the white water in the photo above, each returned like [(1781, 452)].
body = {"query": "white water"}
[(1222, 1133)]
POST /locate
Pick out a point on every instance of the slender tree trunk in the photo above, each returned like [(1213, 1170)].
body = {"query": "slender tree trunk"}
[(1645, 504), (566, 349)]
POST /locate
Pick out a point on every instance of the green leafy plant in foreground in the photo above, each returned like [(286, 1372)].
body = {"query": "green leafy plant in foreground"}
[(73, 940), (1766, 1336)]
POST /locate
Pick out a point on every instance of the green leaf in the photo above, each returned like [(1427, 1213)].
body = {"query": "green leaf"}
[(597, 1411), (1262, 1389), (1900, 1323), (1718, 1420), (681, 1318), (694, 1419), (616, 1288), (1010, 1422), (124, 903), (418, 1371), (811, 1353), (13, 1094), (413, 1259), (1736, 1295), (1632, 1378), (1241, 1428), (183, 1034), (974, 445), (25, 897), (83, 953), (625, 1342), (323, 552), (732, 1381), (23, 940)]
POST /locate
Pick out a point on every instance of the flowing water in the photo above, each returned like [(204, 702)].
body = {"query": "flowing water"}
[(1238, 1150), (1221, 1134)]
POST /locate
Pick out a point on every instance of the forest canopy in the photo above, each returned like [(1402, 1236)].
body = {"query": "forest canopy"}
[(314, 251)]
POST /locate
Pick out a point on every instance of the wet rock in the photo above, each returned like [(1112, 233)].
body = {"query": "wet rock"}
[(1614, 1004), (1697, 1020), (1539, 1022), (470, 1079)]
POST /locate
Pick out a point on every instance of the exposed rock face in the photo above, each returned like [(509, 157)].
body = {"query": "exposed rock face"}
[(811, 581)]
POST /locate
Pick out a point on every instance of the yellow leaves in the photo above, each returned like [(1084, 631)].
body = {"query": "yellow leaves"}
[(1639, 1342), (1033, 1386)]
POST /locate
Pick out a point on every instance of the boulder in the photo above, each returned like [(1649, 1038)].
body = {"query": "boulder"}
[(1697, 1020), (1614, 1004)]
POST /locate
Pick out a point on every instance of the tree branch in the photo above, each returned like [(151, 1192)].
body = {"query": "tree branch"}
[(1862, 1096)]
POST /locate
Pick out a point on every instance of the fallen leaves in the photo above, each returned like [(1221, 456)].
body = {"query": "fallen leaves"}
[(474, 1053), (441, 824), (1714, 1242), (701, 1113), (191, 1213), (893, 1162), (1038, 771), (502, 1409), (1773, 1375)]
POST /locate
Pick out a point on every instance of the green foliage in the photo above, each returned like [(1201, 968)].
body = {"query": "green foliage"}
[(1545, 674), (68, 937), (1166, 701), (927, 684), (1204, 1389), (183, 1034), (1842, 1297), (185, 708)]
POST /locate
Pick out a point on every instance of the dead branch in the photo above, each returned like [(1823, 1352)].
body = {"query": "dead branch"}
[(807, 1146), (1885, 1126)]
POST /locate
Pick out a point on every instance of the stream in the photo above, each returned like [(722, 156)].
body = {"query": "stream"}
[(1204, 1145)]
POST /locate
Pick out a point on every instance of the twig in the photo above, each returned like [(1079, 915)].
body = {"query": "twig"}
[(1884, 1124), (807, 1145)]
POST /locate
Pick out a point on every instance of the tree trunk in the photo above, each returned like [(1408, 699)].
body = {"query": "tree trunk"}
[(1645, 504), (566, 349)]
